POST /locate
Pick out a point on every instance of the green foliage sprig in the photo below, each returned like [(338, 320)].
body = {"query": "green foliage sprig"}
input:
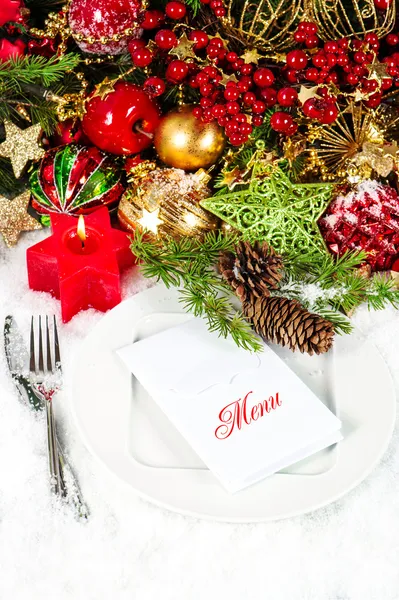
[(189, 264), (333, 287), (38, 69)]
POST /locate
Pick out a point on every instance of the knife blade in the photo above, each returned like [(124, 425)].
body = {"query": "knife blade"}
[(17, 360)]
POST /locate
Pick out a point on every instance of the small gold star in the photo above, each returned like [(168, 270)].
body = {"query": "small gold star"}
[(14, 219), (231, 178), (150, 220), (184, 48), (251, 56), (305, 93), (227, 78), (377, 70), (104, 88), (21, 145)]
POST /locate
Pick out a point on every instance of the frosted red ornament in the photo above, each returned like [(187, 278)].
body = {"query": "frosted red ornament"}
[(103, 19), (367, 218)]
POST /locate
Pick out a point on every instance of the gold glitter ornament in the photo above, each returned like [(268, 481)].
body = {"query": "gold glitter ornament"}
[(14, 219), (185, 142), (165, 202), (21, 146)]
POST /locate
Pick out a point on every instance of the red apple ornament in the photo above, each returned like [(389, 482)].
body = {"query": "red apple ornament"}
[(104, 19), (124, 122)]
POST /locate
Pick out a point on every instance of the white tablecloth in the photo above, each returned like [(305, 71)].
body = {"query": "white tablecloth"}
[(132, 550)]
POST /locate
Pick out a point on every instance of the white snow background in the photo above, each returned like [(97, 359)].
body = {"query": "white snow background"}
[(132, 550)]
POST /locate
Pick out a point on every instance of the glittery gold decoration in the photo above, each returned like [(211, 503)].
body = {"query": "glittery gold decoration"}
[(375, 158), (349, 18), (14, 219), (166, 202), (21, 146), (227, 79), (266, 25), (337, 145), (104, 88), (184, 48), (377, 71), (185, 142), (251, 56)]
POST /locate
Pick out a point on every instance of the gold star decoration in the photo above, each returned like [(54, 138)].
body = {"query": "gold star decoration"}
[(104, 88), (251, 56), (14, 219), (150, 220), (21, 146), (377, 70), (231, 178), (305, 93), (228, 78), (184, 48)]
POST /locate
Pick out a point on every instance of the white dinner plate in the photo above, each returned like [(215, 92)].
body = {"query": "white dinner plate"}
[(124, 428)]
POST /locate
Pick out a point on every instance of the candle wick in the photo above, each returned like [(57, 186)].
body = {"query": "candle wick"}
[(83, 244)]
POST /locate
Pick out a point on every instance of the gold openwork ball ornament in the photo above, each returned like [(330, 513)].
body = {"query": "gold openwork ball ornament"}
[(185, 142), (165, 202)]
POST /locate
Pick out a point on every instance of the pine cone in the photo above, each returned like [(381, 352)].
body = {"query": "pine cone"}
[(252, 271), (287, 323)]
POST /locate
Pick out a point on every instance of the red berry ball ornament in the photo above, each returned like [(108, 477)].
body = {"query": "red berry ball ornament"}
[(366, 218), (263, 78), (297, 59), (287, 96), (382, 4), (96, 19), (122, 123), (175, 10), (282, 122), (177, 71), (165, 39)]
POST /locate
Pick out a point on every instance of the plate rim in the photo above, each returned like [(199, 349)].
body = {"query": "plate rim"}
[(206, 515)]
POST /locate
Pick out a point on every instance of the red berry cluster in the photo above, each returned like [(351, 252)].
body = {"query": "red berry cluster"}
[(217, 7), (239, 104), (342, 62)]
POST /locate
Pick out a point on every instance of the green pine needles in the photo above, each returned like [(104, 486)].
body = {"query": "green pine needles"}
[(189, 264)]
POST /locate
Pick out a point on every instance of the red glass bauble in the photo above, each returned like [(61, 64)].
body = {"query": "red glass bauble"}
[(328, 114), (11, 10), (104, 18), (122, 123), (142, 57), (152, 19), (200, 38), (11, 49), (366, 218)]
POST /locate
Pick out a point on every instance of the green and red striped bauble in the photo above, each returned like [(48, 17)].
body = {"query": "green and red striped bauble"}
[(75, 180)]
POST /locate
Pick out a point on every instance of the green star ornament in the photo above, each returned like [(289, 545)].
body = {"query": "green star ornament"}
[(276, 210)]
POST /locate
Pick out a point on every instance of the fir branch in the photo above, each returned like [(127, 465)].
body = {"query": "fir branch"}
[(188, 264), (38, 69), (195, 6), (382, 292)]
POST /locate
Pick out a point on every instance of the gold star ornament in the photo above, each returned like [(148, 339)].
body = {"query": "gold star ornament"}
[(150, 220), (14, 218), (305, 93), (21, 146), (184, 48), (107, 86), (377, 70)]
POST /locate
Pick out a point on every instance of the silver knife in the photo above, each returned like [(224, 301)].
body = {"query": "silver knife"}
[(18, 363)]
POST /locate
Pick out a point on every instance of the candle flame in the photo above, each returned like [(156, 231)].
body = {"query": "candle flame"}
[(81, 229)]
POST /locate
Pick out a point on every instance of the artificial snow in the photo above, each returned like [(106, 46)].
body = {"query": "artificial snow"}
[(132, 550)]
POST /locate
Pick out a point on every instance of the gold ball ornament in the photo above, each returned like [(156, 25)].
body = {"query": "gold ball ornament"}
[(165, 202), (185, 142)]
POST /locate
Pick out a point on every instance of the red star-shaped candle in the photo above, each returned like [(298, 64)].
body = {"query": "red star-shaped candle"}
[(81, 268)]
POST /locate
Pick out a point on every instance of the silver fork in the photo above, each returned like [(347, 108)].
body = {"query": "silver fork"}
[(45, 383)]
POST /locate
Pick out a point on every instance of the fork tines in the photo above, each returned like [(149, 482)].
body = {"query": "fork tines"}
[(49, 352)]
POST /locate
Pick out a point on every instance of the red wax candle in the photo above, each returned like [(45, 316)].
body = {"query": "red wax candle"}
[(83, 274)]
